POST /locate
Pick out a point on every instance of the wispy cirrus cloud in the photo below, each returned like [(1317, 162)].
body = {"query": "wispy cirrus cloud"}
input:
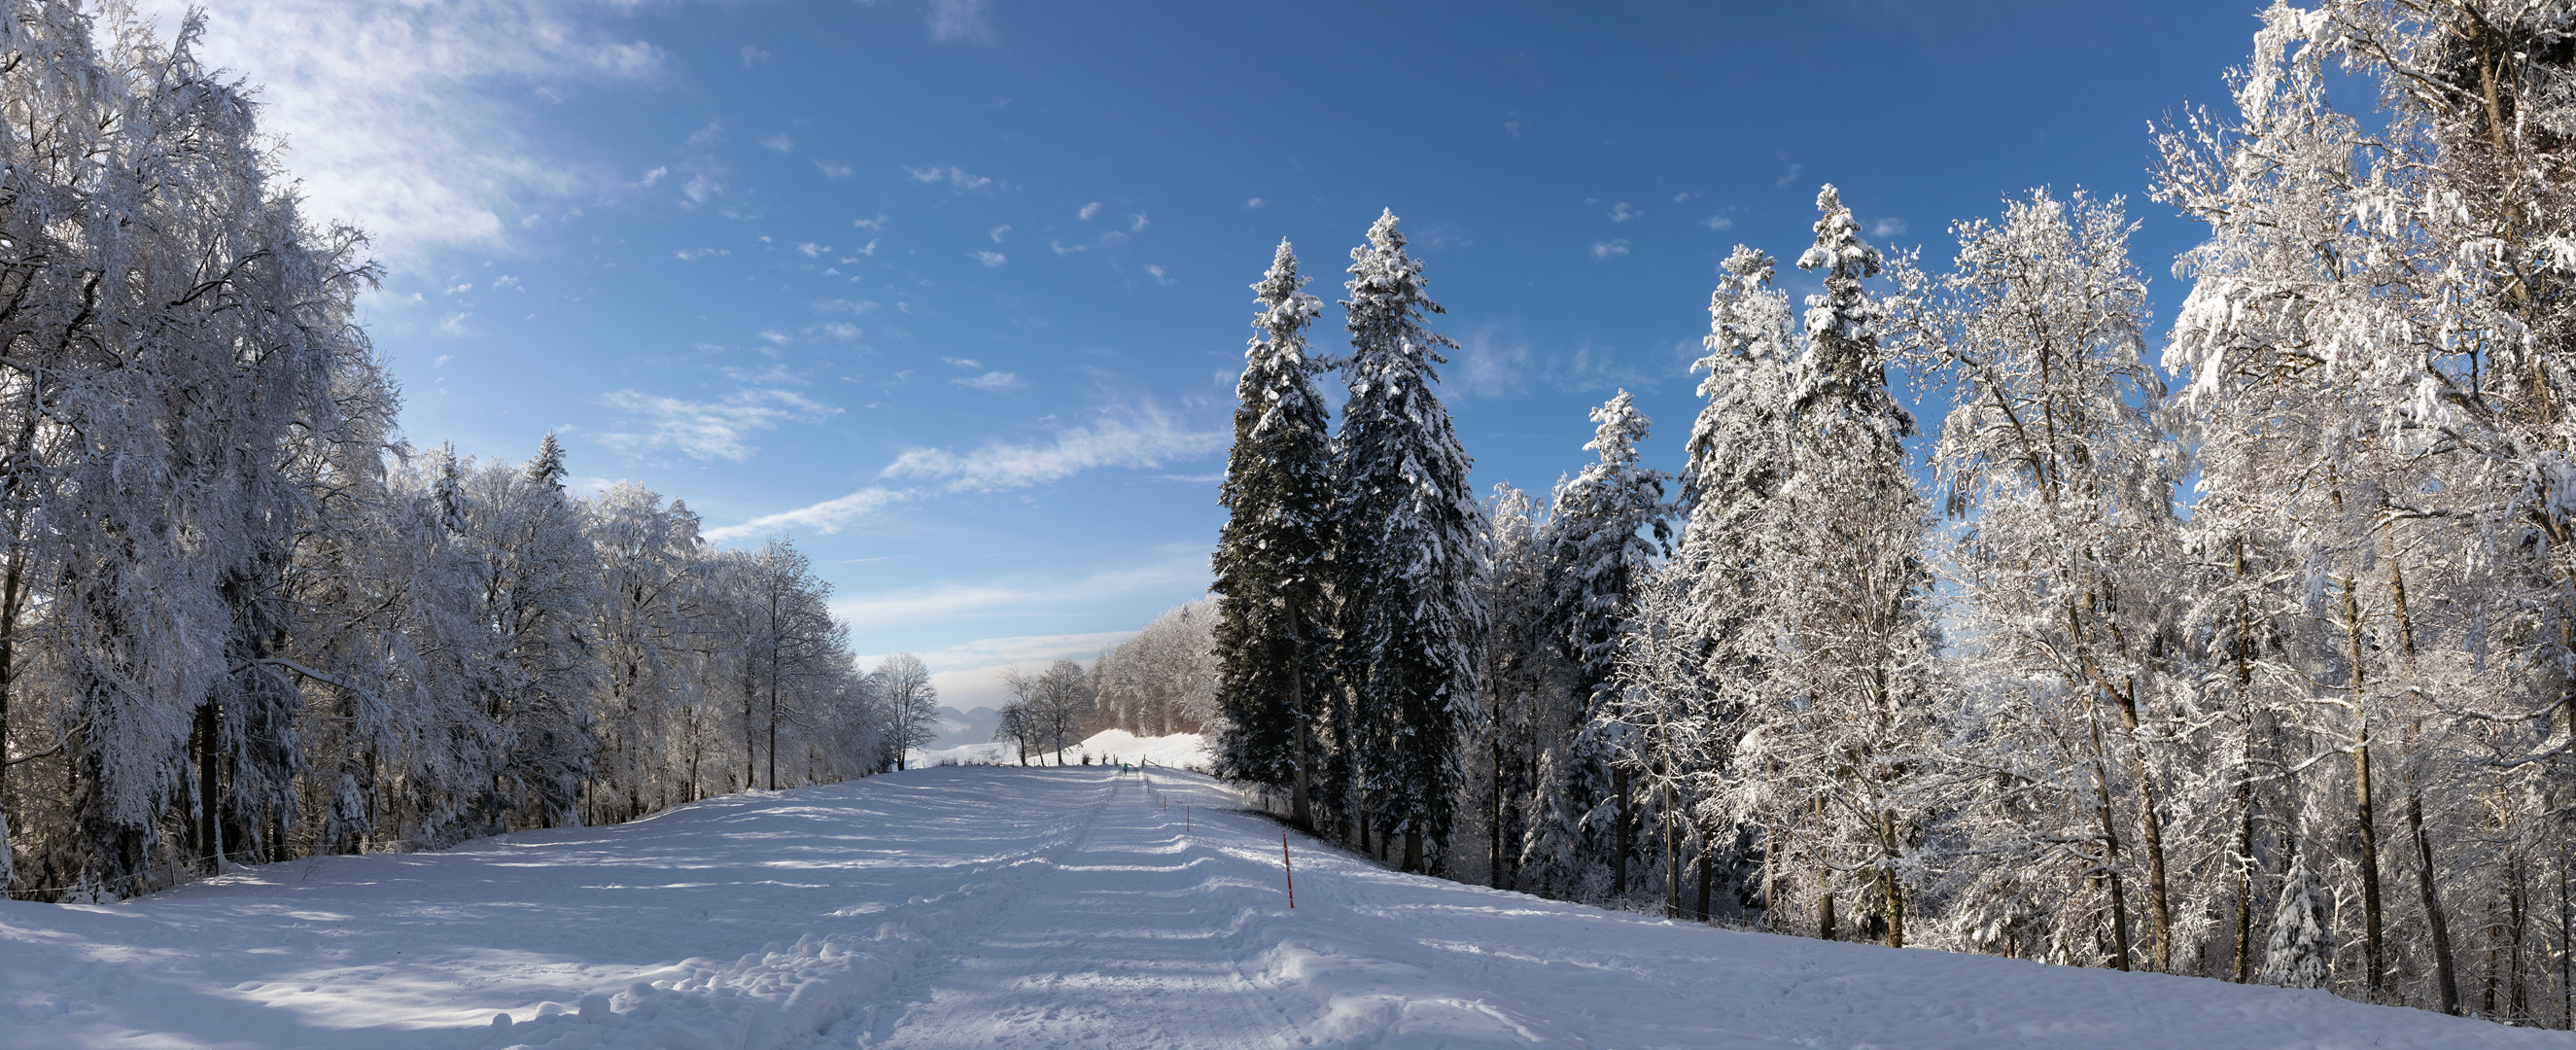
[(960, 21), (705, 430), (1178, 568), (410, 120), (1149, 438), (956, 178), (827, 517)]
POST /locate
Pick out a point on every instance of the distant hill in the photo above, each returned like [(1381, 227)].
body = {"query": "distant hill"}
[(958, 728)]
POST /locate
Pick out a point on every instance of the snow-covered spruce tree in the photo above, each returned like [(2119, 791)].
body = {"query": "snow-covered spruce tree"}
[(1840, 745), (1523, 684), (1607, 527), (1739, 459), (1409, 537), (2301, 952), (2065, 572), (1278, 496)]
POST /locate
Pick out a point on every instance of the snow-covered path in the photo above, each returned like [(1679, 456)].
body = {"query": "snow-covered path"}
[(978, 906)]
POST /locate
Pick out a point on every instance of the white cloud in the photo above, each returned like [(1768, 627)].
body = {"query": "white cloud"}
[(1180, 569), (1611, 249), (1138, 222), (752, 56), (833, 171), (990, 258), (695, 254), (812, 250), (1789, 174), (778, 142), (700, 187), (1088, 210), (441, 360), (1887, 228), (1062, 248), (989, 381), (655, 175), (998, 231), (854, 307), (963, 21), (1621, 212), (1255, 203), (705, 430), (409, 120), (454, 324), (1159, 276), (1718, 222), (958, 179), (877, 223), (1147, 438), (829, 516)]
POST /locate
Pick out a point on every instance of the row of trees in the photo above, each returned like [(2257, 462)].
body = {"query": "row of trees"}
[(240, 619), (1158, 682), (2271, 676)]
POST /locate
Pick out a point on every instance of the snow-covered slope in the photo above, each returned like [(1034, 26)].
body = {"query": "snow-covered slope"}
[(981, 906), (1178, 751)]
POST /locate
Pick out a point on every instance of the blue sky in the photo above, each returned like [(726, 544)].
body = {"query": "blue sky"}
[(955, 292)]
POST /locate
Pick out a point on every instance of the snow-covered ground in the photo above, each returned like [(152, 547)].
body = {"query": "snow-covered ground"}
[(1178, 751), (979, 906)]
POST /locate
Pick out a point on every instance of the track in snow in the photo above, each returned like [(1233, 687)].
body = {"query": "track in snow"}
[(976, 906)]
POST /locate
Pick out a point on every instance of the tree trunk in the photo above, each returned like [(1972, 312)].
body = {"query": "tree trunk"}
[(1672, 859), (1707, 859), (1887, 879), (2446, 984), (1824, 910), (2369, 828), (1494, 811), (210, 843), (1622, 840), (2244, 955), (1413, 851), (2110, 866)]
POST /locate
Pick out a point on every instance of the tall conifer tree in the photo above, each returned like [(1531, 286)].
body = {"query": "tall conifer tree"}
[(1410, 538), (1278, 488)]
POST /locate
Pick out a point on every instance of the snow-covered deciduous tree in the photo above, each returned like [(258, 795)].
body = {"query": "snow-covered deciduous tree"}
[(1049, 710), (911, 702), (1164, 679), (2065, 570), (1409, 539), (1271, 617)]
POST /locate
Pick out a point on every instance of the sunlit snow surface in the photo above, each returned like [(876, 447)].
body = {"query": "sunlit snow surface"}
[(980, 906)]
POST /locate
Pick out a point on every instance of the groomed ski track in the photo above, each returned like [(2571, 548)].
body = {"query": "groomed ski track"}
[(1058, 907)]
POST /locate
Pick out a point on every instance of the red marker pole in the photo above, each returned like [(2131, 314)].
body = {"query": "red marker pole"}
[(1289, 869)]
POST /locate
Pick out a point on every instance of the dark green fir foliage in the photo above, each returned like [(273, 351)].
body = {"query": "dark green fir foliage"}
[(1410, 538), (1278, 488)]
